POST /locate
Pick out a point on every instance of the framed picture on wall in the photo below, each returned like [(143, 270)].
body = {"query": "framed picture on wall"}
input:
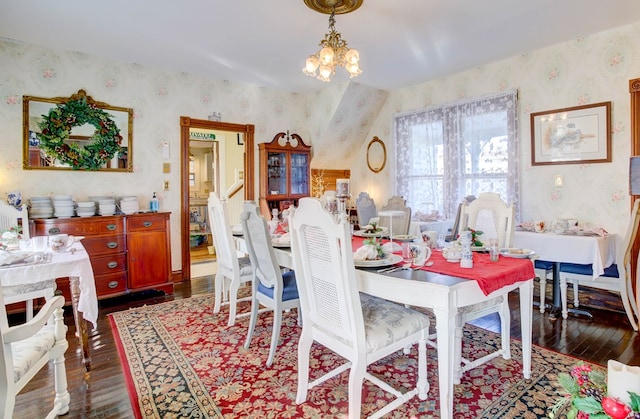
[(581, 134)]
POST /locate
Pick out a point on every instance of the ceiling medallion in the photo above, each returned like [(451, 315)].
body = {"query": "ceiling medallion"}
[(328, 6), (333, 49)]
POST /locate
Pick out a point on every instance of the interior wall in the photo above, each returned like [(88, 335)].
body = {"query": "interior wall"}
[(592, 69), (158, 99)]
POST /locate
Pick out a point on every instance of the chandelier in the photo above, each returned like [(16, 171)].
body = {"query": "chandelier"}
[(334, 51)]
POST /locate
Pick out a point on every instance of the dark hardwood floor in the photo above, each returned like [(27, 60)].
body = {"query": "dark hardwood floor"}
[(102, 392)]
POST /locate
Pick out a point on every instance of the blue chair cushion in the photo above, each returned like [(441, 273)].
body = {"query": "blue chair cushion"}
[(290, 291), (543, 264), (576, 268)]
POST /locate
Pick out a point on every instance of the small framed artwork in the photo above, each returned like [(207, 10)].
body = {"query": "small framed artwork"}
[(581, 134)]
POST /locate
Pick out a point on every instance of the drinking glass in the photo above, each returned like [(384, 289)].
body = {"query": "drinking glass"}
[(494, 253)]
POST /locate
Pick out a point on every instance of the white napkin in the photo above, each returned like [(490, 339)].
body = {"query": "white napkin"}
[(284, 238), (9, 258), (391, 247), (366, 252), (596, 231)]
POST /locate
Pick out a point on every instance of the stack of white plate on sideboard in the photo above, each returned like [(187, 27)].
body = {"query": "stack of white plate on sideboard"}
[(86, 209), (107, 206), (41, 207), (129, 205), (63, 206)]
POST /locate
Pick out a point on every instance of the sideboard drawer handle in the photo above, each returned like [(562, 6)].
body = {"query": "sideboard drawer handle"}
[(112, 265), (113, 284), (111, 227), (147, 224), (54, 230), (112, 245)]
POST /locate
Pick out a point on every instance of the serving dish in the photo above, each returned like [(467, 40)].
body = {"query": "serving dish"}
[(404, 237), (375, 263)]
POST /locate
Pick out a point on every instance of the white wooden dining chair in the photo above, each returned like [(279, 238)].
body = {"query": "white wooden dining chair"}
[(491, 215), (366, 208), (616, 277), (28, 347), (11, 217), (400, 223), (233, 269), (360, 328), (271, 287)]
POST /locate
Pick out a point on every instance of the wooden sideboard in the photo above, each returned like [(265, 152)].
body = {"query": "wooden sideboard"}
[(129, 253)]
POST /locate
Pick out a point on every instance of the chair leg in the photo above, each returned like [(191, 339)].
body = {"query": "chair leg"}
[(62, 398), (233, 302), (576, 300), (219, 285), (563, 297), (252, 320), (275, 335), (356, 379), (543, 292), (629, 306), (423, 383), (304, 351)]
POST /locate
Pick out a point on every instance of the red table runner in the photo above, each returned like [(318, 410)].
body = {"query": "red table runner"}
[(490, 276)]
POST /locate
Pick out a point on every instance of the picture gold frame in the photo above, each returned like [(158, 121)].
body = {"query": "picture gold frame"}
[(576, 135), (34, 108)]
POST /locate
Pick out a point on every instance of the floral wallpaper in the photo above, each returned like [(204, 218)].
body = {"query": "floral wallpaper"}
[(338, 120), (340, 114), (591, 69)]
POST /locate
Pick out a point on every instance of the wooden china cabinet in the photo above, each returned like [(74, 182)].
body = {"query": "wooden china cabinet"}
[(285, 172)]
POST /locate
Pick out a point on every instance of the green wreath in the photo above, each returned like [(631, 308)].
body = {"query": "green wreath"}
[(101, 147)]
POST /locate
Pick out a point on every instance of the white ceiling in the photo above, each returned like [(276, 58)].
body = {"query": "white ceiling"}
[(265, 43)]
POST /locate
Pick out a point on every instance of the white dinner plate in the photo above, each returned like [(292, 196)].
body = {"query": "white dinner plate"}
[(404, 237), (388, 261), (361, 233), (517, 253)]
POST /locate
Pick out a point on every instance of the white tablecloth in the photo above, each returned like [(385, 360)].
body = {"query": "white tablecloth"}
[(595, 250), (66, 264)]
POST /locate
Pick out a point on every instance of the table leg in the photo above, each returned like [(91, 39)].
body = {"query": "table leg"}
[(81, 324), (556, 310), (445, 327)]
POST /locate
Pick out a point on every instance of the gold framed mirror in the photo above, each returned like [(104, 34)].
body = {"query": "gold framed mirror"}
[(376, 155), (76, 133)]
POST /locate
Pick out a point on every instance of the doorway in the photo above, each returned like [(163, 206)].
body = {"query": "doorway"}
[(236, 136)]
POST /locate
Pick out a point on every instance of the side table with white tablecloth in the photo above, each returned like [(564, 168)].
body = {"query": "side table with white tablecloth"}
[(598, 251), (22, 282)]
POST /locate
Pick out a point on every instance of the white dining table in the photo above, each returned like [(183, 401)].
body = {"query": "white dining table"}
[(445, 295), (598, 251), (24, 282)]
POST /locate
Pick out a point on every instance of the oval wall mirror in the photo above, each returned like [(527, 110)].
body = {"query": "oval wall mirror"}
[(376, 155)]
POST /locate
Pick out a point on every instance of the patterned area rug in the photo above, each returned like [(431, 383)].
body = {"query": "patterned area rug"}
[(181, 360)]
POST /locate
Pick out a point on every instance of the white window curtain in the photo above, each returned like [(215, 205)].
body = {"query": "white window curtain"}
[(448, 152)]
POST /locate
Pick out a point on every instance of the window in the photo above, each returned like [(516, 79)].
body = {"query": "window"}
[(448, 152)]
